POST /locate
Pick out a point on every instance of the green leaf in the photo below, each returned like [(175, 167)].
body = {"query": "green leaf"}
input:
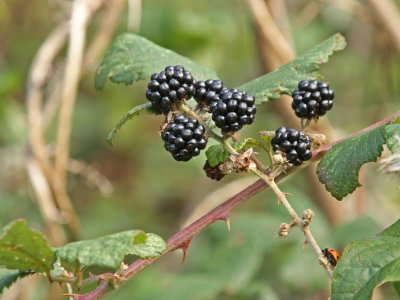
[(285, 79), (252, 143), (395, 121), (137, 110), (339, 167), (148, 245), (366, 264), (217, 154), (266, 137), (392, 231), (132, 57), (109, 251), (392, 134), (23, 249), (8, 277)]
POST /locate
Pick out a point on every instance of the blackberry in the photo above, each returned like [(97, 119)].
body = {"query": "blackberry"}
[(184, 138), (233, 110), (312, 99), (207, 91), (168, 87), (213, 172), (293, 143)]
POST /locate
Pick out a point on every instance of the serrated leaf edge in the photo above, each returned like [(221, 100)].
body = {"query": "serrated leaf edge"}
[(135, 111)]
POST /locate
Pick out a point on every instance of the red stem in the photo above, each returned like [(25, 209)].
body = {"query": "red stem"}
[(385, 121), (221, 212)]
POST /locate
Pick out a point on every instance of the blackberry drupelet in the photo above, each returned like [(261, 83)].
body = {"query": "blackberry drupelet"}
[(184, 138), (168, 87), (312, 99), (207, 91), (233, 110), (293, 143)]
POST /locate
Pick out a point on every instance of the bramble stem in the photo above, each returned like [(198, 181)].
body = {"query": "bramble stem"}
[(224, 209)]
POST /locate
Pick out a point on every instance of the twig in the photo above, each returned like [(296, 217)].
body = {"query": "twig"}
[(79, 18), (270, 32), (81, 11), (40, 71), (38, 165), (45, 202), (91, 174), (134, 15), (110, 20)]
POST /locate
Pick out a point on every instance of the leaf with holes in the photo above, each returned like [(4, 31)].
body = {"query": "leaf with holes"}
[(110, 251), (132, 57), (285, 79), (339, 167), (24, 249), (137, 110), (217, 154), (8, 277), (366, 264)]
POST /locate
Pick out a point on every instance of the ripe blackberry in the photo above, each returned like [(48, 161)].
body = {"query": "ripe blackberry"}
[(170, 86), (293, 143), (184, 138), (207, 91), (233, 110), (312, 99)]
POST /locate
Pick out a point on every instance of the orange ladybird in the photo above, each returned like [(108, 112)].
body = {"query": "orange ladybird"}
[(331, 255)]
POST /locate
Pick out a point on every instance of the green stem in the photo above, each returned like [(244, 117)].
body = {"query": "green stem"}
[(296, 220)]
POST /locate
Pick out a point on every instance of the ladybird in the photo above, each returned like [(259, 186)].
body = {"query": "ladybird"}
[(331, 255)]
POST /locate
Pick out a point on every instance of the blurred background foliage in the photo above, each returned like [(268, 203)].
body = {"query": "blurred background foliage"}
[(153, 192)]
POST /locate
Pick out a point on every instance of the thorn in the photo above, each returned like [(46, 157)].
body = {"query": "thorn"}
[(283, 195), (305, 244), (185, 246), (228, 223), (184, 256)]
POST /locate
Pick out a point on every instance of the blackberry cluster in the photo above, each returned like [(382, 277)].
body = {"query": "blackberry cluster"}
[(232, 110), (295, 144), (207, 91), (184, 138), (312, 99), (172, 85)]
